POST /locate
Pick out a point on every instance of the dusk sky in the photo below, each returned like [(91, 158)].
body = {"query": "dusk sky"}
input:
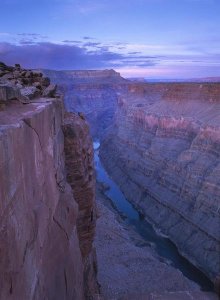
[(139, 38)]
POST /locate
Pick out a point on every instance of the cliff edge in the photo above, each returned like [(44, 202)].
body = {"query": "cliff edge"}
[(41, 242)]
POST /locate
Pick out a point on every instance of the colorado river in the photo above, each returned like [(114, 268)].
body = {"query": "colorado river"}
[(163, 246)]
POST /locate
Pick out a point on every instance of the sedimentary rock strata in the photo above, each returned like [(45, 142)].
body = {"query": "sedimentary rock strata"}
[(92, 92), (41, 244), (125, 267), (164, 151), (80, 175)]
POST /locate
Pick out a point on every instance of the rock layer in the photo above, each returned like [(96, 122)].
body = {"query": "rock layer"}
[(81, 177), (164, 151), (41, 243), (127, 263), (92, 92)]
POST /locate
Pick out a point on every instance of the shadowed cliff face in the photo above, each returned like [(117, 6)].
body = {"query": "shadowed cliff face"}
[(45, 251), (164, 151), (92, 92), (80, 175), (160, 142), (40, 255)]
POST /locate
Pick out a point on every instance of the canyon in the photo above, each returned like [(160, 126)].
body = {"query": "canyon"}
[(161, 145), (163, 151), (92, 92), (64, 234)]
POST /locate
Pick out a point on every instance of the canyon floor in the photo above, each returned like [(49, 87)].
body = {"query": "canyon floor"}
[(129, 268)]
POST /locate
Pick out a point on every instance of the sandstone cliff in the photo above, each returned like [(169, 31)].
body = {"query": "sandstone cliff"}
[(46, 253), (164, 149)]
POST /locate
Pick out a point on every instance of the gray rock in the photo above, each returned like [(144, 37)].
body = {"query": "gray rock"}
[(19, 85), (30, 92), (37, 74), (28, 74), (5, 68), (9, 92), (17, 74), (2, 73), (50, 91), (45, 81), (17, 67), (37, 85), (7, 76)]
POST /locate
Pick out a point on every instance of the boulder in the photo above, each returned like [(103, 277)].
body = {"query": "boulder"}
[(30, 92), (28, 74), (37, 74), (5, 67), (37, 85), (9, 92), (50, 91), (17, 74), (45, 81), (7, 76), (17, 67)]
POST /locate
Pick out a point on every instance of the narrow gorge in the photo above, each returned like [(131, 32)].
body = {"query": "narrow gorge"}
[(160, 144), (109, 188), (163, 150)]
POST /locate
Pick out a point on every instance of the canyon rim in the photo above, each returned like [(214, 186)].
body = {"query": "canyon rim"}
[(109, 150), (159, 142)]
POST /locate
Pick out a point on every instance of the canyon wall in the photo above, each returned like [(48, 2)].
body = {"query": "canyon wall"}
[(163, 149), (46, 252), (94, 93), (81, 176)]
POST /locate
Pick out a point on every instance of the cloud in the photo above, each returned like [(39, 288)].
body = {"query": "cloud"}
[(71, 42), (88, 38), (70, 55), (67, 56), (91, 44), (33, 35)]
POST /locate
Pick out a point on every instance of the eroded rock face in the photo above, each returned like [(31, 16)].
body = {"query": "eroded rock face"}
[(164, 151), (81, 177), (45, 254), (40, 255), (92, 92)]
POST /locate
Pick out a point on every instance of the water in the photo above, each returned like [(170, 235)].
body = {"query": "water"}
[(163, 246)]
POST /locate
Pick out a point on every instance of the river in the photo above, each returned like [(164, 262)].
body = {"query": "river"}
[(164, 247)]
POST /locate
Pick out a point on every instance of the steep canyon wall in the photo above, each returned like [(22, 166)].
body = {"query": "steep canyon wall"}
[(94, 93), (46, 235), (163, 149)]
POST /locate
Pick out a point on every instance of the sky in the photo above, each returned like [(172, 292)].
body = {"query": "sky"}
[(138, 38)]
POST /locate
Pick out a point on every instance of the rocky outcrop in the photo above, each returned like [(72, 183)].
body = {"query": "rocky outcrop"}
[(92, 92), (164, 151), (43, 252), (24, 85)]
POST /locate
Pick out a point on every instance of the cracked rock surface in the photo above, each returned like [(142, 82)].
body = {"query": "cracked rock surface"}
[(40, 253)]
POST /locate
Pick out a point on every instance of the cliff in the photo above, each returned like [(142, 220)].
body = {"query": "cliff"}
[(163, 149), (92, 92), (81, 177), (45, 251)]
